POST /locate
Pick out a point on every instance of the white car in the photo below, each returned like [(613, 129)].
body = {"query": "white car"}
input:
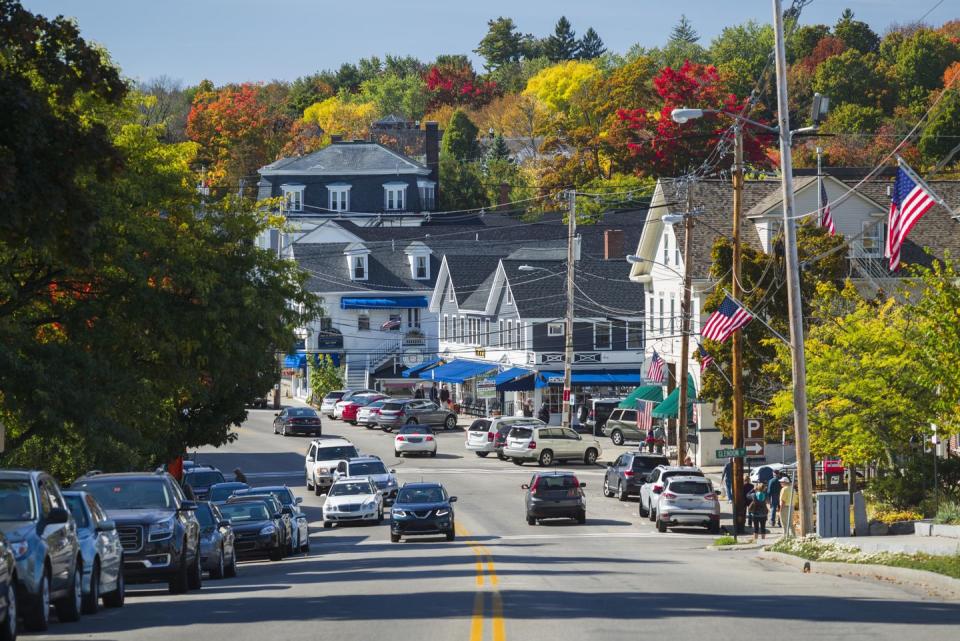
[(651, 490), (353, 499), (414, 438), (688, 501), (547, 445), (482, 433), (323, 456), (329, 402), (756, 472), (369, 414)]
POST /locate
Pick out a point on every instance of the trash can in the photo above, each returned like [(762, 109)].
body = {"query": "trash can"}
[(833, 514)]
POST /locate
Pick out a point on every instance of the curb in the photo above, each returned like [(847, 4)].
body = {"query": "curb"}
[(930, 582), (759, 545)]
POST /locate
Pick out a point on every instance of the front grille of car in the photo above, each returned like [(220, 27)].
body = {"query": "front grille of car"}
[(350, 507), (422, 515), (131, 537), (383, 484)]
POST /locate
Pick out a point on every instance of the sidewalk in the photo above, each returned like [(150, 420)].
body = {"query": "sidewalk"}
[(908, 544)]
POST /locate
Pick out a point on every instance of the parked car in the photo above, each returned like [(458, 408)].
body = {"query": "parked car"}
[(42, 535), (629, 472), (369, 414), (8, 591), (546, 445), (621, 426), (293, 519), (200, 478), (481, 435), (352, 499), (372, 467), (255, 531), (764, 473), (158, 529), (297, 420), (414, 439), (349, 409), (422, 508), (291, 506), (220, 492), (397, 413), (553, 495), (650, 491), (686, 501), (283, 520), (218, 556), (322, 459), (101, 552), (329, 401), (598, 410)]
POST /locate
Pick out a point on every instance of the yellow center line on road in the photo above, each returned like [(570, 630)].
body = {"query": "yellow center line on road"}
[(485, 562)]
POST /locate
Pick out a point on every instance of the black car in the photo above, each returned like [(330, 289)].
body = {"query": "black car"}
[(158, 529), (422, 508), (630, 471), (281, 519), (255, 531), (291, 506), (8, 592), (200, 478), (555, 495), (297, 420), (220, 492)]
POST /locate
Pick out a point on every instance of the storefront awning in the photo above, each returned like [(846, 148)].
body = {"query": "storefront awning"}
[(642, 393), (594, 377), (515, 379), (459, 370), (668, 408), (414, 372), (382, 302), (295, 361)]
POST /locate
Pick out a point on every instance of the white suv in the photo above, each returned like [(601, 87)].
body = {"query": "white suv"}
[(322, 458), (482, 433), (548, 444), (651, 490)]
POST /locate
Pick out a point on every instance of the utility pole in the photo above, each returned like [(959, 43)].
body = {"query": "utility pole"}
[(793, 284), (568, 351), (685, 330), (736, 424)]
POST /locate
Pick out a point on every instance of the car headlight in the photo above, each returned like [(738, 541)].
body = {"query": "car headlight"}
[(399, 513), (369, 504), (443, 511), (324, 470), (19, 549), (267, 529), (162, 530)]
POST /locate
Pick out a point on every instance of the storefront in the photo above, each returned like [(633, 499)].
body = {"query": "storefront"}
[(592, 384), (461, 377)]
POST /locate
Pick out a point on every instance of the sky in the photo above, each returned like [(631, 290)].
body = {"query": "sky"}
[(247, 40)]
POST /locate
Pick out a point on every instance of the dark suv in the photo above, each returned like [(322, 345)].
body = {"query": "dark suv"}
[(158, 529), (629, 472), (422, 508), (200, 478)]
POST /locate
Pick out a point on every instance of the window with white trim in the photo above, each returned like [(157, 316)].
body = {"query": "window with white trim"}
[(555, 329), (509, 295), (450, 298), (602, 335), (499, 339), (485, 340), (461, 335), (358, 268), (649, 311), (871, 239), (666, 248), (661, 313), (338, 197), (421, 269), (293, 197), (428, 194), (413, 317), (444, 328), (634, 335), (363, 322), (394, 196), (508, 337), (673, 311)]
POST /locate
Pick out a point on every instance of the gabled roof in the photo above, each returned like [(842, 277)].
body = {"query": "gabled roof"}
[(347, 159), (772, 203)]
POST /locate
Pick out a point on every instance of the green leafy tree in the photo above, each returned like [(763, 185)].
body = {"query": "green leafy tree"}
[(942, 133), (741, 52), (683, 45), (562, 45), (324, 376), (461, 183), (591, 46), (853, 119), (683, 31), (919, 62), (856, 34), (501, 45), (805, 39), (498, 151), (852, 77), (460, 138), (307, 90), (392, 94)]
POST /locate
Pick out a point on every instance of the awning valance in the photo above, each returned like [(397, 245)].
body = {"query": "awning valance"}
[(382, 302), (642, 393), (414, 372), (459, 370), (668, 408), (593, 377), (515, 379)]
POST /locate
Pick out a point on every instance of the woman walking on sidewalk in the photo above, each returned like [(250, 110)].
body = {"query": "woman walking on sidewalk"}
[(757, 511)]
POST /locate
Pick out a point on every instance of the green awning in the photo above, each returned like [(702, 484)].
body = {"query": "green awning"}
[(642, 393), (668, 408)]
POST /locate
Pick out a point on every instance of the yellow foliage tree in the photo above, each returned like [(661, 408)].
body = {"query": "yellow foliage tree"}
[(337, 116), (559, 86)]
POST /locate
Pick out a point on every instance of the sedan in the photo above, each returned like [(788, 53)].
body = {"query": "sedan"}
[(101, 551), (220, 492), (555, 495), (398, 413), (217, 552), (369, 414), (415, 438), (297, 420), (349, 409), (256, 532), (353, 499)]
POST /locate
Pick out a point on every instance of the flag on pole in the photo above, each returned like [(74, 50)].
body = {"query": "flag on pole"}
[(728, 318), (655, 371), (390, 325), (909, 201), (645, 415), (705, 359), (826, 220)]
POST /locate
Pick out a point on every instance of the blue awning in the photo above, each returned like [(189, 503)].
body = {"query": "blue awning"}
[(295, 361), (425, 365), (459, 370), (383, 302), (593, 377), (515, 379)]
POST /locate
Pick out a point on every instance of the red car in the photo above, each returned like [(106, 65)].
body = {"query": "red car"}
[(355, 403)]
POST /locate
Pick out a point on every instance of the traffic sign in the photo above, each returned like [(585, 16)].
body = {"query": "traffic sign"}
[(755, 447), (731, 453), (753, 428)]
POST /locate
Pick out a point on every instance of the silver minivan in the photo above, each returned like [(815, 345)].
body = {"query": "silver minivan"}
[(545, 445)]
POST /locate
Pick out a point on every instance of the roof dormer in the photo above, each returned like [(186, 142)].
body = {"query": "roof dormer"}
[(358, 263), (418, 256)]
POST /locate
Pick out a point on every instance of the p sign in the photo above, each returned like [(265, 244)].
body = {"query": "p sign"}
[(753, 427)]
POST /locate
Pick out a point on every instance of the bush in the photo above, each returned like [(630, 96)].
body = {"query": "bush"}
[(908, 487), (889, 515), (948, 514), (725, 540)]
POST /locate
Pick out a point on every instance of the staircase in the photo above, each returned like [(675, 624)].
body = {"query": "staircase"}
[(360, 366), (873, 270)]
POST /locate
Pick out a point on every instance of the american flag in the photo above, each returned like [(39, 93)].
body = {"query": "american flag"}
[(390, 324), (826, 220), (908, 203), (705, 359), (645, 415), (728, 318), (655, 371)]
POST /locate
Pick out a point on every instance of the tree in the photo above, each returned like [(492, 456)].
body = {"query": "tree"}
[(850, 118), (308, 90), (942, 133), (452, 81), (856, 34), (460, 138), (919, 62), (339, 116), (681, 47), (392, 94), (683, 31), (804, 39), (168, 105), (741, 53), (461, 186), (498, 151), (591, 46), (852, 77), (558, 86), (562, 45), (501, 45), (324, 376)]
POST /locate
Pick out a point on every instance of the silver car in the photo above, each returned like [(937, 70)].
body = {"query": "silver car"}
[(688, 501), (218, 555), (651, 490), (369, 414), (101, 551), (329, 402), (372, 467), (415, 411), (482, 433)]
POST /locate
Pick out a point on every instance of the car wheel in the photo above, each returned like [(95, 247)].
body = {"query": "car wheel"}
[(9, 630), (387, 429), (195, 578), (70, 606), (276, 554), (546, 458), (396, 454), (581, 517), (607, 492), (433, 454), (230, 570), (450, 423), (501, 456), (517, 461), (91, 600), (309, 484), (590, 456), (617, 437), (643, 510), (116, 598), (621, 493), (352, 422), (394, 538), (651, 513), (531, 520), (713, 528), (178, 583), (36, 614), (451, 535), (317, 490), (482, 454), (661, 526), (283, 430), (327, 525), (219, 570), (305, 546)]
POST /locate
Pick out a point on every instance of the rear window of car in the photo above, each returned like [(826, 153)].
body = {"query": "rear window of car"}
[(392, 406), (333, 395), (331, 453), (521, 432), (302, 412), (203, 479), (667, 475), (363, 469), (415, 429), (556, 482), (690, 487), (376, 404), (648, 463), (480, 426), (223, 493)]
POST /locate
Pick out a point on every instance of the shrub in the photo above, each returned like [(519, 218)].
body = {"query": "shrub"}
[(725, 540), (948, 514), (889, 515)]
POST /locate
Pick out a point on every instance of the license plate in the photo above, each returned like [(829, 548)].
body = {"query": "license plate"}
[(415, 440)]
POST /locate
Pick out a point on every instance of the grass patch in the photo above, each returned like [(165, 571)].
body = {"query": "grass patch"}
[(725, 540), (813, 549)]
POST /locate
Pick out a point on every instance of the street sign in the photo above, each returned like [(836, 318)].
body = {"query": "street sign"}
[(755, 447), (486, 388), (731, 453), (753, 428)]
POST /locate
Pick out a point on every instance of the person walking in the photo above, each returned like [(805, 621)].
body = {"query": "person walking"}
[(444, 396), (786, 498), (528, 408), (419, 392), (773, 491), (239, 476), (544, 413), (757, 511), (433, 394), (728, 479)]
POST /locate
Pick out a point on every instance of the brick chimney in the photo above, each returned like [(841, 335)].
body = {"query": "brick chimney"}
[(431, 151), (335, 138), (503, 197), (613, 244)]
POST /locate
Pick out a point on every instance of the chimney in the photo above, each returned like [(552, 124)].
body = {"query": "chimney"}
[(335, 138), (431, 151), (613, 244), (504, 197)]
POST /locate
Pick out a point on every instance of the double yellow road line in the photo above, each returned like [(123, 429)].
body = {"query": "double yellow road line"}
[(487, 583)]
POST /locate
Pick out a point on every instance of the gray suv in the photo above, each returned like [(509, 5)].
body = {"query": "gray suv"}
[(629, 472), (416, 411), (622, 426), (43, 537)]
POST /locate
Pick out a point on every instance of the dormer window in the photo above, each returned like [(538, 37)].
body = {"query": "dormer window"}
[(339, 197), (394, 196), (418, 256), (293, 197), (357, 256), (420, 270), (359, 268), (428, 194)]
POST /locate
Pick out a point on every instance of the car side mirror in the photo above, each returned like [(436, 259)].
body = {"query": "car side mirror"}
[(582, 484), (610, 464), (106, 526), (524, 487), (393, 471), (58, 515), (277, 515), (188, 506), (324, 495), (224, 523), (276, 413), (453, 499), (299, 500), (310, 459)]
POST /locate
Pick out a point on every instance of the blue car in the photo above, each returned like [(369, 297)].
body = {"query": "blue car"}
[(101, 551), (220, 492), (422, 509), (8, 592)]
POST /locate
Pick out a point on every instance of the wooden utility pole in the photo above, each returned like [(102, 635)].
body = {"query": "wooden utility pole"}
[(568, 351), (736, 423), (685, 331)]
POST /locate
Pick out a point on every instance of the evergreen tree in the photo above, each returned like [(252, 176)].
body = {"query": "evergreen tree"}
[(460, 138), (498, 151), (856, 34), (591, 46), (684, 31), (502, 44), (562, 45)]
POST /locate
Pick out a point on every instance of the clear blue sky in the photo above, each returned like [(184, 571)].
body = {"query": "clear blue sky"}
[(238, 40)]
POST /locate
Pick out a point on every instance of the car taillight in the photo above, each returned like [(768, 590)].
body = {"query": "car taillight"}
[(657, 487), (374, 411), (533, 488), (489, 436), (710, 497), (401, 413), (669, 495), (400, 438), (592, 414), (628, 473), (429, 438), (533, 445)]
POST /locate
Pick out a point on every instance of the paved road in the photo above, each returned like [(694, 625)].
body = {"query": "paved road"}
[(611, 579)]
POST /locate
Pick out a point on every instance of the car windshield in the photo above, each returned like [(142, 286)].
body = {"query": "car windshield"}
[(648, 463), (203, 479), (75, 503), (125, 494), (347, 489), (415, 429), (333, 453), (376, 404), (223, 493), (301, 412), (245, 512), (367, 468), (333, 396), (16, 501), (392, 406), (689, 487), (521, 432), (204, 515), (283, 495), (363, 400), (480, 426), (420, 495)]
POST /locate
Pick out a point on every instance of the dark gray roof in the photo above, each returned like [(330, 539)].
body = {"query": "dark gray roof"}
[(471, 273), (602, 289), (347, 159), (388, 270)]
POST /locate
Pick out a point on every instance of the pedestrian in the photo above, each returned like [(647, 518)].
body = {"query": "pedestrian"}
[(188, 492), (658, 439), (444, 396), (419, 392), (688, 462), (239, 476), (433, 394), (773, 491), (650, 441), (757, 511), (786, 498), (528, 408), (728, 479), (544, 413)]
